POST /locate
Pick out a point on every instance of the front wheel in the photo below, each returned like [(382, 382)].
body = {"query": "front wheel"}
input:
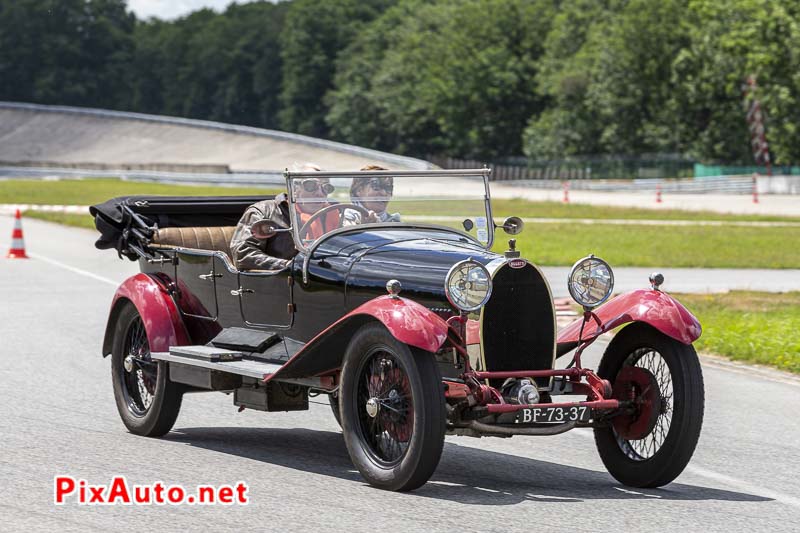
[(147, 401), (651, 443), (393, 410)]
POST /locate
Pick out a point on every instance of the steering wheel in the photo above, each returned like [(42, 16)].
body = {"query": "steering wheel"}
[(325, 210)]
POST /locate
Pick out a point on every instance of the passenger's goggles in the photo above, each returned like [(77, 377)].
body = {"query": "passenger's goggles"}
[(313, 185), (384, 184)]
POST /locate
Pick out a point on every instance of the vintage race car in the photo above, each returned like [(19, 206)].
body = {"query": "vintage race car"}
[(408, 321)]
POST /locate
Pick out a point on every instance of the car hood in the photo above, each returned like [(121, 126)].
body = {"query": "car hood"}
[(420, 261)]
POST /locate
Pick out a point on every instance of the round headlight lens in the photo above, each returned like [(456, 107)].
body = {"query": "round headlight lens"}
[(468, 285), (591, 281)]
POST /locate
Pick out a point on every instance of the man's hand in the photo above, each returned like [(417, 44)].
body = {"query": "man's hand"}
[(370, 218), (262, 229)]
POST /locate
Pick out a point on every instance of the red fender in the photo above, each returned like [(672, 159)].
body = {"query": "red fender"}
[(407, 321), (160, 316), (656, 308)]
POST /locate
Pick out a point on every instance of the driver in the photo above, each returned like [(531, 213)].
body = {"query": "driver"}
[(311, 196), (251, 249)]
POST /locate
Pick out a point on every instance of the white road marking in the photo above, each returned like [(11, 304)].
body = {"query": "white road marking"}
[(745, 486), (76, 270), (447, 483), (628, 491), (739, 484), (546, 497), (750, 370)]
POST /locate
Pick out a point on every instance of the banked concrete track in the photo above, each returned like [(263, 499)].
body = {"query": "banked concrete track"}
[(71, 136)]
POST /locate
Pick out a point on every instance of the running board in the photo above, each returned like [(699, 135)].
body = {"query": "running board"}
[(232, 362)]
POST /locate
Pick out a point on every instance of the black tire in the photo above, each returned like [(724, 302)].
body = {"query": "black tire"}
[(392, 450), (663, 452), (147, 401), (333, 400)]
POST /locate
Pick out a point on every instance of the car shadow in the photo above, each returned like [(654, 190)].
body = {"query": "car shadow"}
[(465, 474)]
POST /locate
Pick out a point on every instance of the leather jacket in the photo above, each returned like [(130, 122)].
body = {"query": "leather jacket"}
[(275, 253)]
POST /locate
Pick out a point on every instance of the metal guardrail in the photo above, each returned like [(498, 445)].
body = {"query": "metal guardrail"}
[(409, 162)]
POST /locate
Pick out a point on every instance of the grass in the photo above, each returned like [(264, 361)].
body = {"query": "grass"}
[(561, 244), (94, 191), (527, 209), (564, 243), (78, 221), (754, 327), (550, 243)]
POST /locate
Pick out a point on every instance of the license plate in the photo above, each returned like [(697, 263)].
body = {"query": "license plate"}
[(553, 415)]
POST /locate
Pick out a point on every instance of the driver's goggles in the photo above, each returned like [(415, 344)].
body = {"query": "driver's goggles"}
[(384, 184), (312, 185)]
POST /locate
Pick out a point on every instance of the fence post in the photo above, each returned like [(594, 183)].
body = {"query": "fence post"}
[(755, 188)]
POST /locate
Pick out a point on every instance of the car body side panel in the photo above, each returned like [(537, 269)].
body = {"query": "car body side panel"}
[(656, 308), (408, 321), (160, 316)]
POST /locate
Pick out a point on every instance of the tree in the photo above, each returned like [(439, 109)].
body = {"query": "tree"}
[(67, 52), (611, 86), (731, 40), (454, 76), (312, 37), (223, 67)]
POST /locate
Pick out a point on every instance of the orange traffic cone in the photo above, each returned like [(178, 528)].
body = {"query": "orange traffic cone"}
[(17, 250)]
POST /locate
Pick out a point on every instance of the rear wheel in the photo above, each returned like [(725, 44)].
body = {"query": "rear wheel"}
[(393, 410), (651, 444), (147, 401)]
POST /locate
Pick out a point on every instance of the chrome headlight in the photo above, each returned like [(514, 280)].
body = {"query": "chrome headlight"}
[(468, 285), (591, 281)]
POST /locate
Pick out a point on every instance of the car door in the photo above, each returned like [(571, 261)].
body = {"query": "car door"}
[(265, 298), (196, 278)]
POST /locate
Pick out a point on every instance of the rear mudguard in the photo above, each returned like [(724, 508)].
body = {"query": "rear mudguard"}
[(656, 308), (161, 318), (407, 321)]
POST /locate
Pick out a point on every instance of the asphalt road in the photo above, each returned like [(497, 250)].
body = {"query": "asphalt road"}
[(57, 416)]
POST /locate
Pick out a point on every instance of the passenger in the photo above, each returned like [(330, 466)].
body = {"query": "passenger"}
[(373, 194), (251, 248)]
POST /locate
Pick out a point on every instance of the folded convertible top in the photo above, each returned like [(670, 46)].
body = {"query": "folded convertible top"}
[(127, 223)]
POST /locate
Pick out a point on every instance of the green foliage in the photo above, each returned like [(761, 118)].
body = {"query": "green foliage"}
[(95, 191), (312, 36), (562, 243), (607, 69), (640, 76), (217, 67), (450, 75), (476, 79), (64, 51)]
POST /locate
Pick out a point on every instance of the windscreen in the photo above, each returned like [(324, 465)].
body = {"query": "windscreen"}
[(323, 202)]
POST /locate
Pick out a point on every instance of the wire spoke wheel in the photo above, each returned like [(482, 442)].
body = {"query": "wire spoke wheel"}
[(140, 380), (147, 401), (392, 409), (660, 384), (650, 444), (386, 420)]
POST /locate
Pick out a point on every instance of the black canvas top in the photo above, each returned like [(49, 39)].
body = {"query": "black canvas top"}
[(126, 219)]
